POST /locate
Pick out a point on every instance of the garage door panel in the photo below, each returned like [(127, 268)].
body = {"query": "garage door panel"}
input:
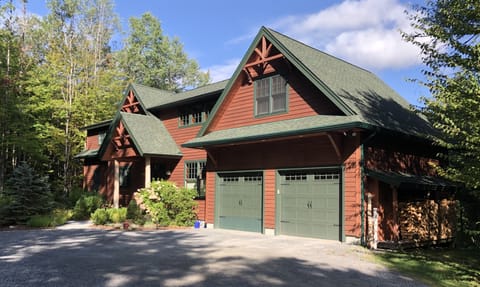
[(239, 201), (315, 194)]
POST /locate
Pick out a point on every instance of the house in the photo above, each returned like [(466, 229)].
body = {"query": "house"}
[(296, 142)]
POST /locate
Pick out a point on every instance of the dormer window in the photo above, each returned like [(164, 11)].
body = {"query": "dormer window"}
[(270, 95)]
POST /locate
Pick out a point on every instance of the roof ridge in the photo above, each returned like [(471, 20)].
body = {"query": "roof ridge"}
[(200, 87), (318, 50)]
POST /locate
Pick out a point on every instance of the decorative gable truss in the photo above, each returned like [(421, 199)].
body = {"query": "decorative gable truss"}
[(132, 105), (261, 60), (121, 138)]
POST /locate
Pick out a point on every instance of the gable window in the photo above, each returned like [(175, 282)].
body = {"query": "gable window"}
[(195, 176), (270, 95)]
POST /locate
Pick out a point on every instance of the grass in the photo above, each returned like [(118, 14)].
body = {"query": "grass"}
[(436, 267)]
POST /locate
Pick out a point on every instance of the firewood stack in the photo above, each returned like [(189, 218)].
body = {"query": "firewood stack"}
[(426, 220)]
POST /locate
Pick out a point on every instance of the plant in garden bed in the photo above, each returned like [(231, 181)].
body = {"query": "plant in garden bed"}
[(166, 204)]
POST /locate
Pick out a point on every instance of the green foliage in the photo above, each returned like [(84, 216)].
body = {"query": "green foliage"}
[(100, 216), (55, 218), (135, 213), (28, 193), (86, 205), (168, 205), (447, 34), (117, 215), (5, 218), (151, 58)]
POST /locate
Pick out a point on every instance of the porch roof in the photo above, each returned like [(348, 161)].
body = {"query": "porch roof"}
[(88, 153), (398, 178), (149, 135), (305, 125)]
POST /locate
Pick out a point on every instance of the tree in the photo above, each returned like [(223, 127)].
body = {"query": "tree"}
[(29, 194), (448, 35), (151, 58), (74, 81)]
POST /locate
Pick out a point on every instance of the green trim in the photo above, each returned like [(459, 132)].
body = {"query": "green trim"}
[(101, 124), (279, 134)]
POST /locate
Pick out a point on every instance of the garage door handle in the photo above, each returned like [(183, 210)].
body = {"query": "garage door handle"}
[(240, 202), (337, 225), (284, 221)]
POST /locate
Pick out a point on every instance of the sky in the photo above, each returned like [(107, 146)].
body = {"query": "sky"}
[(217, 33)]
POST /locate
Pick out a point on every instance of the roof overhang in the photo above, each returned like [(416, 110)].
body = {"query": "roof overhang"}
[(281, 129), (400, 178), (89, 153)]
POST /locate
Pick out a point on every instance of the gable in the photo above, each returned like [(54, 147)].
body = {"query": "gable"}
[(353, 91), (239, 107)]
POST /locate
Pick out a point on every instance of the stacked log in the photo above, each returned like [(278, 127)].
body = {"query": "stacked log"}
[(426, 220)]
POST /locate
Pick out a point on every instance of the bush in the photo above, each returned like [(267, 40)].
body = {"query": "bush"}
[(135, 213), (100, 216), (168, 205), (5, 218), (86, 205), (117, 215), (55, 218)]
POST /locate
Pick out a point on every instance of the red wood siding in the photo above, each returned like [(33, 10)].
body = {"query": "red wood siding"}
[(210, 196), (388, 160), (181, 135), (200, 209), (92, 141), (296, 152), (269, 198), (304, 100), (352, 188)]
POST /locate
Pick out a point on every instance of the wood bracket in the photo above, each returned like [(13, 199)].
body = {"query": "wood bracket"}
[(335, 146)]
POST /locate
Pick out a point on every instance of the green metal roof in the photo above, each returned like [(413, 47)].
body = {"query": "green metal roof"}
[(149, 135), (292, 127), (153, 98), (89, 153)]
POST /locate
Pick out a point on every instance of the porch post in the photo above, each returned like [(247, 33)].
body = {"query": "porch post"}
[(148, 172), (116, 184)]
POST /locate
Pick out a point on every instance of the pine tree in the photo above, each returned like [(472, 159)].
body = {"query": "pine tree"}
[(29, 194)]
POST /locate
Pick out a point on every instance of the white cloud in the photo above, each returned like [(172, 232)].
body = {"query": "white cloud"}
[(363, 32), (223, 71)]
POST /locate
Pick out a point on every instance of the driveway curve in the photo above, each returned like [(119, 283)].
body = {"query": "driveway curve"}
[(76, 255)]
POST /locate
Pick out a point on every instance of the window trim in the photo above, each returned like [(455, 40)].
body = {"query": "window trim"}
[(200, 165), (270, 97), (203, 110)]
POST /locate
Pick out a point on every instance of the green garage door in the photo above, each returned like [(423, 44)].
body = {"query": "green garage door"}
[(238, 201), (309, 204)]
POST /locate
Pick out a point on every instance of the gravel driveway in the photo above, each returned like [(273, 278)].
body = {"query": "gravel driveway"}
[(77, 256)]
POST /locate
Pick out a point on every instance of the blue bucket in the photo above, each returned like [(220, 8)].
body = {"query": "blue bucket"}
[(196, 224)]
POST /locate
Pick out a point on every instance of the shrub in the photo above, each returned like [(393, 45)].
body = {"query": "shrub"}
[(86, 205), (135, 213), (117, 215), (39, 221), (166, 204), (61, 216), (100, 216)]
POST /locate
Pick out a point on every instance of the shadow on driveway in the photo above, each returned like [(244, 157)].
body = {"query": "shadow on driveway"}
[(191, 257)]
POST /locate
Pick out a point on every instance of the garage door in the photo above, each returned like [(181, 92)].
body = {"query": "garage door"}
[(309, 204), (238, 201)]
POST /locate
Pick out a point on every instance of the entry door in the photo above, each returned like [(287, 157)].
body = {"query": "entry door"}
[(309, 204), (238, 200)]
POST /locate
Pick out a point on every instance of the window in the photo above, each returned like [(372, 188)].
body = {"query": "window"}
[(195, 173), (101, 137), (194, 114), (124, 175), (270, 95)]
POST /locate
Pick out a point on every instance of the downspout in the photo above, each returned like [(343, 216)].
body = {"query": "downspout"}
[(362, 187)]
